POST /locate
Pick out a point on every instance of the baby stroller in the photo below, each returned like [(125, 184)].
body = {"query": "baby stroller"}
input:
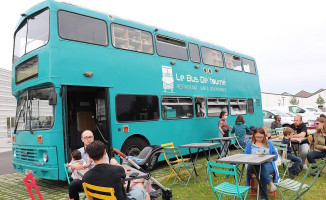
[(145, 162)]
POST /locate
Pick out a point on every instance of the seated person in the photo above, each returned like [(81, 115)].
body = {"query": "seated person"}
[(110, 175), (319, 140), (259, 143), (77, 158), (300, 131), (277, 122), (295, 169)]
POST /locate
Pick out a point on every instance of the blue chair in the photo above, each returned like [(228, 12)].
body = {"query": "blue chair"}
[(225, 187)]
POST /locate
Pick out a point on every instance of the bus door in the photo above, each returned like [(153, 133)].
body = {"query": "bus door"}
[(86, 108)]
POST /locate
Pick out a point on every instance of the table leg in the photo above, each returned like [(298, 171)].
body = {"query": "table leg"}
[(193, 161), (207, 159), (222, 148), (259, 183)]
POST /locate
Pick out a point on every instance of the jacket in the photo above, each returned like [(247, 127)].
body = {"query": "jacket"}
[(272, 151), (240, 130), (319, 141)]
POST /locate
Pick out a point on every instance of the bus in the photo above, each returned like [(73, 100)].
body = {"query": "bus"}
[(133, 85)]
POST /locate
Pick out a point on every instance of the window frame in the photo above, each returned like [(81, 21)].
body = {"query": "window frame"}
[(238, 104), (152, 95), (225, 60), (217, 98), (186, 47), (106, 24), (198, 52), (25, 22), (130, 49), (250, 60), (177, 97), (202, 56), (253, 108)]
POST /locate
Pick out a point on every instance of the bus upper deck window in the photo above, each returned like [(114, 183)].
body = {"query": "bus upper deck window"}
[(248, 66), (232, 62), (171, 48), (212, 57), (194, 53)]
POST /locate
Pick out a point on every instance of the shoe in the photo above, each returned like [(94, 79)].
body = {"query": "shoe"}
[(273, 188), (314, 174), (291, 174)]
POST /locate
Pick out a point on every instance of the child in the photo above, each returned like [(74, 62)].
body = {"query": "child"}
[(288, 134), (75, 158)]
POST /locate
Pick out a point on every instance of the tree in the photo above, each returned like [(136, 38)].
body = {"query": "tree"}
[(320, 101), (294, 101)]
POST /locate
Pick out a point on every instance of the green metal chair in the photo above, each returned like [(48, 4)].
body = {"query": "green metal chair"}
[(225, 187), (181, 165), (298, 188), (285, 163)]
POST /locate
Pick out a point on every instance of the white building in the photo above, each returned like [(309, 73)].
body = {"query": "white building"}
[(305, 98), (7, 103)]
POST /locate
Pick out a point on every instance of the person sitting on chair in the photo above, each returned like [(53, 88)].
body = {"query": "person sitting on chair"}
[(241, 130), (77, 158), (110, 175), (277, 123)]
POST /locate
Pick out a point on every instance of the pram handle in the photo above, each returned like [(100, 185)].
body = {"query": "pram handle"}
[(116, 151)]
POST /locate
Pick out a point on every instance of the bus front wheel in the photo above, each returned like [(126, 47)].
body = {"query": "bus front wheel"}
[(133, 146)]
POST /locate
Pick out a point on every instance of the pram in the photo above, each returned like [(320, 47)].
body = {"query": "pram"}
[(145, 162)]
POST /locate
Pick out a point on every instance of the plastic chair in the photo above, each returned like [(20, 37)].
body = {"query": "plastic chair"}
[(300, 188), (98, 192), (225, 187), (178, 160), (30, 183), (253, 187), (181, 165), (285, 163)]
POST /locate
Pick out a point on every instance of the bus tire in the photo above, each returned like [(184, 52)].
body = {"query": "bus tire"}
[(133, 146)]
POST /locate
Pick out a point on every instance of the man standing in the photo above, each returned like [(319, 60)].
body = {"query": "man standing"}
[(277, 122), (301, 137), (75, 186), (110, 175)]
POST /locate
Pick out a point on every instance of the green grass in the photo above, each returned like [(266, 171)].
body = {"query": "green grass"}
[(12, 185), (202, 190)]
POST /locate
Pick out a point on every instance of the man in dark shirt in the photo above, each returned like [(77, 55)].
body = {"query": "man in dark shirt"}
[(301, 137), (110, 175)]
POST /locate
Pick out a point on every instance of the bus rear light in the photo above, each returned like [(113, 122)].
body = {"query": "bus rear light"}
[(39, 139), (13, 139), (126, 129)]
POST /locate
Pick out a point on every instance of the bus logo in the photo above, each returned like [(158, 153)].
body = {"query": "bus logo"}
[(167, 79)]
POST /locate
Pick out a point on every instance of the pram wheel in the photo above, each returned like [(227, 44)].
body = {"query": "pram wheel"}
[(156, 192)]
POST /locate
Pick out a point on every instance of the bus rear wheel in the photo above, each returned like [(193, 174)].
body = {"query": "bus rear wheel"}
[(133, 146)]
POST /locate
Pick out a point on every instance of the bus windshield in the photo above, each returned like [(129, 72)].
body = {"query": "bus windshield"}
[(35, 113), (32, 34)]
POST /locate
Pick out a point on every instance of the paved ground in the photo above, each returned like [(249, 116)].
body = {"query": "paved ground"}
[(6, 163)]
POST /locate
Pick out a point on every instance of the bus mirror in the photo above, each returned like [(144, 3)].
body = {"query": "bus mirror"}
[(53, 98)]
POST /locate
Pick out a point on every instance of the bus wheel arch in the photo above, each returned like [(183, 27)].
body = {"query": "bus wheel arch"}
[(134, 144)]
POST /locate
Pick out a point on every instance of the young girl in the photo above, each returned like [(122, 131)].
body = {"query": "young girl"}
[(75, 158)]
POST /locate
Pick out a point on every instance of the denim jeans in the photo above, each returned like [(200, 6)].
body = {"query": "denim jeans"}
[(312, 155), (296, 162), (242, 143), (266, 170)]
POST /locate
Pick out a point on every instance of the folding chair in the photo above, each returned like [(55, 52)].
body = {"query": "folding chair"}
[(178, 160), (299, 189), (98, 192), (30, 183), (181, 165), (253, 186), (68, 177), (237, 144), (285, 163), (225, 187)]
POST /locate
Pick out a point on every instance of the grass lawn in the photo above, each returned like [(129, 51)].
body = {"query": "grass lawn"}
[(202, 189)]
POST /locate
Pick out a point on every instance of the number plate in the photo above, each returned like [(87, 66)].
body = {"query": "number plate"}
[(27, 171)]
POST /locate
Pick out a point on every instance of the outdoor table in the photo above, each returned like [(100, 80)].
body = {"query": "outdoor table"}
[(200, 146), (296, 146), (224, 145), (250, 159)]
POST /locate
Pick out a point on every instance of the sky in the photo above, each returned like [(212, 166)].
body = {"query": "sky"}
[(286, 37)]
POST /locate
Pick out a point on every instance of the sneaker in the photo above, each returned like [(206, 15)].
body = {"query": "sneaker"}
[(273, 188)]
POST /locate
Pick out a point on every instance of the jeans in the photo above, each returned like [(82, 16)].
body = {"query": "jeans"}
[(225, 144), (75, 187), (296, 162), (304, 149), (242, 143), (266, 170), (315, 154)]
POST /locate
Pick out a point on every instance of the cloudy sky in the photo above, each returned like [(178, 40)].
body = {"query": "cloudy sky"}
[(287, 38)]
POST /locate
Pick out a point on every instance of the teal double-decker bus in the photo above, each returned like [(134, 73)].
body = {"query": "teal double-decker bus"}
[(133, 85)]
